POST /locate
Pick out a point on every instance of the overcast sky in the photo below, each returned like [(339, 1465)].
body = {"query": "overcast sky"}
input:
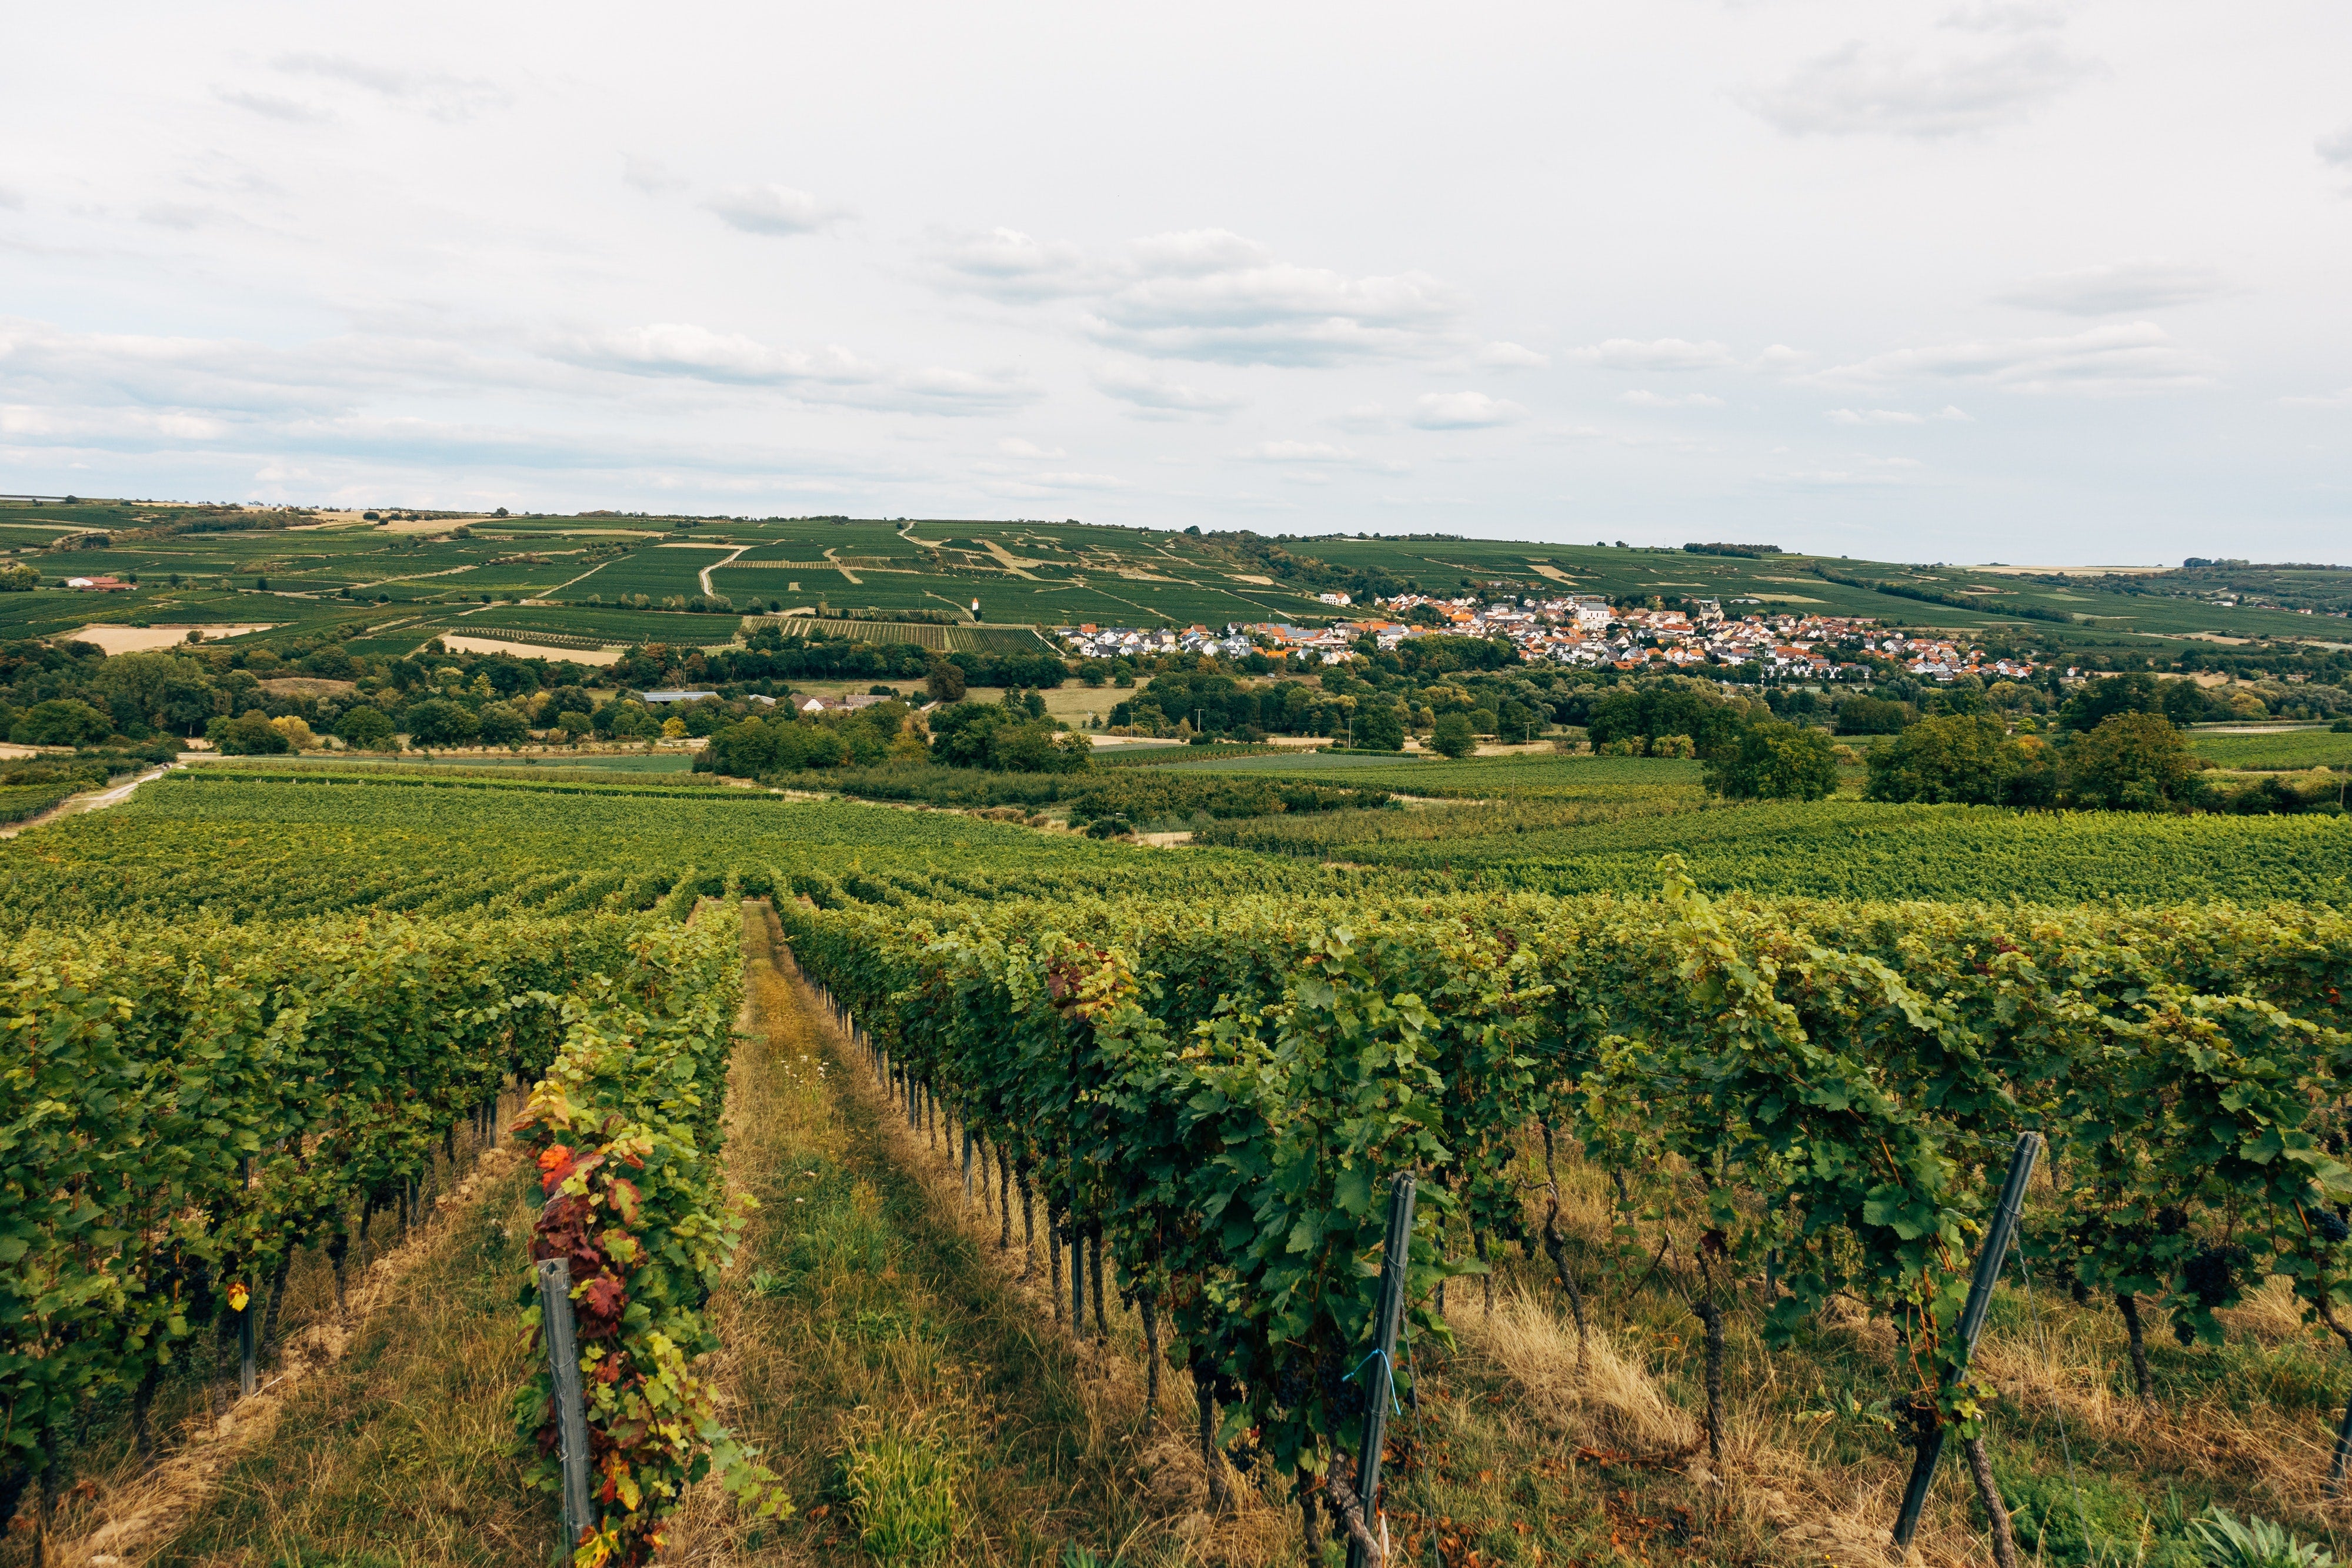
[(1961, 280)]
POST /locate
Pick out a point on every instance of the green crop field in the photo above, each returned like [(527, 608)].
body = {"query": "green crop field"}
[(946, 638), (1068, 573), (2287, 749), (1854, 849), (660, 571), (1574, 1011), (1716, 1093)]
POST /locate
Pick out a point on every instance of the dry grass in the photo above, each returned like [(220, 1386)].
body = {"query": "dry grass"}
[(1812, 1465), (1597, 1397)]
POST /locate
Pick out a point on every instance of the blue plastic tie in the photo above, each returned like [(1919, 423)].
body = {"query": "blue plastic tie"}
[(1387, 1372)]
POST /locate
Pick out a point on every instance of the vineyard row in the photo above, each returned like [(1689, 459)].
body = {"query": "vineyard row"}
[(1797, 1101)]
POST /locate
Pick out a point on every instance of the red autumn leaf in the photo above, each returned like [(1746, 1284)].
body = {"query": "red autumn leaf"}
[(604, 1298), (625, 1199)]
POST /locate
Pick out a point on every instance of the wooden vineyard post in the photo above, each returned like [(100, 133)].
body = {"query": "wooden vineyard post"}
[(1990, 1262), (1396, 1258), (571, 1415)]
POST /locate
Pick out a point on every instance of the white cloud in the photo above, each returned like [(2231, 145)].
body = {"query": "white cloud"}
[(1365, 418), (1998, 16), (1657, 353), (1863, 89), (2120, 358), (2335, 149), (270, 106), (1830, 478), (1311, 455), (1299, 452), (97, 427), (1511, 356), (1642, 399), (1007, 264), (1465, 411), (1196, 253), (1276, 313), (647, 175), (1891, 415), (1013, 445), (773, 209), (1210, 295), (2117, 288), (1151, 397), (12, 198), (826, 375), (2324, 400), (434, 93), (1079, 481)]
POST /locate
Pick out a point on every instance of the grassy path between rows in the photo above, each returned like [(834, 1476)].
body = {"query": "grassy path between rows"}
[(919, 1401)]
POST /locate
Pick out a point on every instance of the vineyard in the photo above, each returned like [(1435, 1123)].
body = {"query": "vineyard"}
[(1839, 849), (922, 634), (1724, 1094)]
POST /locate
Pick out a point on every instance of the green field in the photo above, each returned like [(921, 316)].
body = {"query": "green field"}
[(680, 762), (1220, 1056), (1851, 850), (2287, 749), (946, 638), (1554, 778), (1069, 572)]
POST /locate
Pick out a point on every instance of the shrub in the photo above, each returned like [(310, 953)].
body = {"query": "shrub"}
[(366, 728), (1943, 760), (1776, 761), (502, 725), (1871, 716), (61, 721), (437, 721), (247, 735), (2132, 762)]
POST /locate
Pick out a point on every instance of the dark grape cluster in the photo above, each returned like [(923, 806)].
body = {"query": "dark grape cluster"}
[(2330, 1226), (1343, 1392), (2171, 1221), (2209, 1271)]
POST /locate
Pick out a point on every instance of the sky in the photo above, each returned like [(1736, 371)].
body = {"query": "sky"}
[(1970, 280)]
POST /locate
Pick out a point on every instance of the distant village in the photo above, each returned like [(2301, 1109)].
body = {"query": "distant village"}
[(1580, 630)]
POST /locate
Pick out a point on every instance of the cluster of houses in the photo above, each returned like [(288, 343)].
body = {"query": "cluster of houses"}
[(1091, 641), (1584, 630)]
